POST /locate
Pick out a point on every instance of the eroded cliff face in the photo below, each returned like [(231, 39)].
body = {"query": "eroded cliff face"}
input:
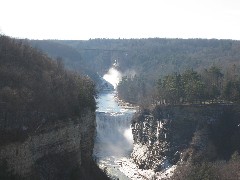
[(170, 134), (53, 151)]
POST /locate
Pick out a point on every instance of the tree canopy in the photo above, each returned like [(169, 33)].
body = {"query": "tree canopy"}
[(31, 82)]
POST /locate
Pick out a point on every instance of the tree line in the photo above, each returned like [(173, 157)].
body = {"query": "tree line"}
[(207, 86), (151, 57), (30, 81)]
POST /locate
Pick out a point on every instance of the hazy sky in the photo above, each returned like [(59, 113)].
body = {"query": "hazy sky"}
[(84, 19)]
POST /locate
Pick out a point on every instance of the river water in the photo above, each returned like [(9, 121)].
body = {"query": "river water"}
[(114, 141)]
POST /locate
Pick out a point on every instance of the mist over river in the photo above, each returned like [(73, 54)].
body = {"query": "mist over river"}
[(114, 136), (114, 141)]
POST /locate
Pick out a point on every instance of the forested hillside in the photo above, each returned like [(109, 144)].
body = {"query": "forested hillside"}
[(47, 117), (32, 83), (70, 56), (144, 61), (207, 86), (149, 57)]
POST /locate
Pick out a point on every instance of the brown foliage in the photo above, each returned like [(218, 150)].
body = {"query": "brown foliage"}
[(31, 82)]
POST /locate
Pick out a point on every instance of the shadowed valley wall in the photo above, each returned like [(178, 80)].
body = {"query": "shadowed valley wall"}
[(54, 151), (169, 134)]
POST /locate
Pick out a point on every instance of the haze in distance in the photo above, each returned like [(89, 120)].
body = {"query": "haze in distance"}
[(85, 19)]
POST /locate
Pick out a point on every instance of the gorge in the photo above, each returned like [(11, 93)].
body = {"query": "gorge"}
[(52, 127), (116, 149), (163, 138)]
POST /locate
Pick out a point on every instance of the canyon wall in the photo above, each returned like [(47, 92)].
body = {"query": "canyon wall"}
[(167, 135), (53, 151)]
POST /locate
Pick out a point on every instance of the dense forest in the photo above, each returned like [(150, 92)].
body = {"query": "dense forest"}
[(207, 86), (144, 61), (151, 57), (71, 57), (32, 84)]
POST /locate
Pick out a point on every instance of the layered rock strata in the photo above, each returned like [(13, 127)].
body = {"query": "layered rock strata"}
[(170, 134), (53, 151)]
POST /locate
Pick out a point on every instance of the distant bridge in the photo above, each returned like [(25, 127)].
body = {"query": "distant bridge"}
[(111, 50)]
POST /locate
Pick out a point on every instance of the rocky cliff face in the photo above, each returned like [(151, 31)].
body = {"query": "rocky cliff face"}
[(169, 134), (47, 116), (53, 151)]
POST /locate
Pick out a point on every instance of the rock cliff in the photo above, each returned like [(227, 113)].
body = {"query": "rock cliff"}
[(47, 116), (53, 151), (170, 134)]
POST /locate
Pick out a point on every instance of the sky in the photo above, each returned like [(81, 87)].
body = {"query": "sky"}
[(85, 19)]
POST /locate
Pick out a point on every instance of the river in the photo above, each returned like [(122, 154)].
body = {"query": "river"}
[(114, 140)]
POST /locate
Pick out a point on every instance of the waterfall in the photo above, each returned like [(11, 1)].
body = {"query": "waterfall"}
[(114, 140), (114, 137)]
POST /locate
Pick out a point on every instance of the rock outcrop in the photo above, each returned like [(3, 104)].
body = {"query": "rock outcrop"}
[(53, 151), (170, 134)]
